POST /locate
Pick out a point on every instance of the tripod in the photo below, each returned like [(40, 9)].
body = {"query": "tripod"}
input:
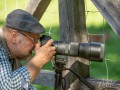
[(59, 67)]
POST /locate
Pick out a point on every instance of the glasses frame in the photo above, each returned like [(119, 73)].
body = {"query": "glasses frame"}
[(32, 39)]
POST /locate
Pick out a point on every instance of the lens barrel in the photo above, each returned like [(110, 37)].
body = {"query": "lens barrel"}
[(93, 51)]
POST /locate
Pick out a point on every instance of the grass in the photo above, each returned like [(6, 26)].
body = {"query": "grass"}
[(94, 21)]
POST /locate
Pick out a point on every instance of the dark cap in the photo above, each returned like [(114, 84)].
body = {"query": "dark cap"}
[(24, 21)]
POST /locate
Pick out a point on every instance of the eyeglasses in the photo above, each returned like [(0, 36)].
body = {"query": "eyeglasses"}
[(34, 40)]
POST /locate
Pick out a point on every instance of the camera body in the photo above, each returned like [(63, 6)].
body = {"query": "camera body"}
[(91, 50)]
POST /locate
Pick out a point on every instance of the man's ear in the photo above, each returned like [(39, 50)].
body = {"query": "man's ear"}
[(14, 36)]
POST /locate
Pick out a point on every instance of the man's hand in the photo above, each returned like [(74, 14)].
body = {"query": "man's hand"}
[(43, 54)]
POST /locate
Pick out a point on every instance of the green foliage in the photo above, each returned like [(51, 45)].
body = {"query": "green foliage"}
[(39, 87), (95, 25)]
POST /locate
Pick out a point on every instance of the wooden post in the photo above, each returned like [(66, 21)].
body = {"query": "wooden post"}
[(37, 7), (73, 28), (110, 9), (46, 78)]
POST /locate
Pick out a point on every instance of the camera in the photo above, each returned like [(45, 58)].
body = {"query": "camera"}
[(93, 51)]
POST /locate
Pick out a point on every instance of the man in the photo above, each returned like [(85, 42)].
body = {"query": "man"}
[(18, 38)]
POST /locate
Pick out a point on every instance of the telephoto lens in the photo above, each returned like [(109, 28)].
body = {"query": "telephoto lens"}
[(93, 51)]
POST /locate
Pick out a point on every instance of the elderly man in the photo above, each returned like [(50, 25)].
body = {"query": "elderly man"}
[(18, 38)]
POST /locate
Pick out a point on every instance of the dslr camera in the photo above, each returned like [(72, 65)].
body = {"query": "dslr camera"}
[(93, 51)]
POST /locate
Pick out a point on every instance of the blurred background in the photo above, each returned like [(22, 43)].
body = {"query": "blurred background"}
[(96, 24)]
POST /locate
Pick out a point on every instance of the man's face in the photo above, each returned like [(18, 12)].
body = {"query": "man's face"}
[(26, 44)]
